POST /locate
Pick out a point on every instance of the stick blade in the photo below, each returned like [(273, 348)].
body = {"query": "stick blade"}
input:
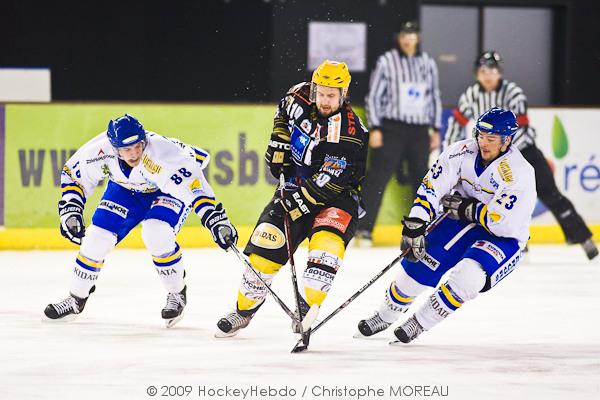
[(299, 347), (310, 317)]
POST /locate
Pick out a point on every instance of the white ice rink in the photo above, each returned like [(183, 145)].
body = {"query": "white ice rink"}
[(535, 336)]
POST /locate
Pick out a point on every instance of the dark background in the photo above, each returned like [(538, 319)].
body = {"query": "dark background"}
[(237, 50)]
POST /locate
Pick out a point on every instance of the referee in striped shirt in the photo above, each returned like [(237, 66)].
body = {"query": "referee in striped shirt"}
[(403, 103), (491, 90)]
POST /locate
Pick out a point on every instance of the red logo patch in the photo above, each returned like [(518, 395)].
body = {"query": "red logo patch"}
[(334, 218)]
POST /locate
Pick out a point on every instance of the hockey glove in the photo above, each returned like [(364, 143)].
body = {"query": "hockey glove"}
[(460, 208), (279, 157), (295, 203), (221, 229), (413, 238), (72, 225)]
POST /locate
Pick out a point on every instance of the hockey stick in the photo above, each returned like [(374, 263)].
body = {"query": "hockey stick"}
[(300, 346), (260, 278), (305, 336)]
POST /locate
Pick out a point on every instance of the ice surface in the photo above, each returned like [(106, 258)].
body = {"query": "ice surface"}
[(534, 336)]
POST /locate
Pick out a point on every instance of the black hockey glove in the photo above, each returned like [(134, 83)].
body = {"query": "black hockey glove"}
[(460, 208), (279, 157), (72, 225), (221, 229), (293, 202), (413, 238)]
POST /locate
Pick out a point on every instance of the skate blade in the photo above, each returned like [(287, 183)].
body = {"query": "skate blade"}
[(310, 317), (173, 321), (299, 348), (396, 343), (225, 335), (359, 335), (62, 320)]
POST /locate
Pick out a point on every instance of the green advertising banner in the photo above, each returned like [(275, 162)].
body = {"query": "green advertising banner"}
[(40, 137)]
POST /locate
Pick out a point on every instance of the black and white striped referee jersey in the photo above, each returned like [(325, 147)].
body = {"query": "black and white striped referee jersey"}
[(404, 88), (475, 101)]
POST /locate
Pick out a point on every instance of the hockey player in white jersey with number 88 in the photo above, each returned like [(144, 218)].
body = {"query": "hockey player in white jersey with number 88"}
[(152, 179), (487, 189)]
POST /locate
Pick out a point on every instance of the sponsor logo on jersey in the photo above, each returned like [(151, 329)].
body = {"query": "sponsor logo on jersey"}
[(306, 125), (493, 182), (334, 218), (168, 202), (495, 217), (334, 165), (195, 187), (267, 236), (462, 152), (427, 186), (491, 249), (113, 207), (150, 165), (279, 145), (505, 269), (334, 127), (505, 171), (106, 171), (99, 157), (351, 124), (430, 261)]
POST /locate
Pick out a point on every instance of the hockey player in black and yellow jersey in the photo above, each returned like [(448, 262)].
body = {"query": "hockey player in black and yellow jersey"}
[(320, 145)]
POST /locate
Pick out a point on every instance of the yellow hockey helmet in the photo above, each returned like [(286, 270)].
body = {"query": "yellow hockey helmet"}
[(332, 74)]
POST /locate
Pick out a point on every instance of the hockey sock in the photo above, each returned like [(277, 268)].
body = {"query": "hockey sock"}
[(464, 283), (395, 303), (85, 275), (96, 244), (325, 255), (170, 269), (443, 302), (252, 291)]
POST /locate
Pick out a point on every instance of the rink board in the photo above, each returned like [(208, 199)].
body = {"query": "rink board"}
[(36, 139)]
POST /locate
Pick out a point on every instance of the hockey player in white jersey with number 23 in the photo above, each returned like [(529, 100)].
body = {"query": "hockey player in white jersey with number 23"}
[(487, 191), (152, 180)]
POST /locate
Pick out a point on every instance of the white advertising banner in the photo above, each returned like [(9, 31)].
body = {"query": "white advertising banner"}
[(570, 140), (25, 85), (338, 41)]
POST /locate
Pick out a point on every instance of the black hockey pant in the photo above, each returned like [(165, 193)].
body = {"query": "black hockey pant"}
[(570, 221)]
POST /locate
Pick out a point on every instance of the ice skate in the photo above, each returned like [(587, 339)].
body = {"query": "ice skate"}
[(231, 324), (370, 326), (173, 311), (590, 248), (67, 309), (409, 330), (363, 239)]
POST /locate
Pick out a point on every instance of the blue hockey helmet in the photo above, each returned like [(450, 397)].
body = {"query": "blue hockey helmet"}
[(497, 121), (125, 131)]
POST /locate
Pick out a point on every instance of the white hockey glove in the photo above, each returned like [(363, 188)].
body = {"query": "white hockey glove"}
[(413, 238), (221, 229), (460, 208), (72, 225)]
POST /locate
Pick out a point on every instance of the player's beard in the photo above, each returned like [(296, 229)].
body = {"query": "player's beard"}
[(327, 112)]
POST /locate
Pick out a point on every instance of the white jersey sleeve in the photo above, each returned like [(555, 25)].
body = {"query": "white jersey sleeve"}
[(81, 174), (508, 213), (439, 180)]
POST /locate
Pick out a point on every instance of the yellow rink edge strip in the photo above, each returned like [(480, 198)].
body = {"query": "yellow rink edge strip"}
[(386, 235)]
